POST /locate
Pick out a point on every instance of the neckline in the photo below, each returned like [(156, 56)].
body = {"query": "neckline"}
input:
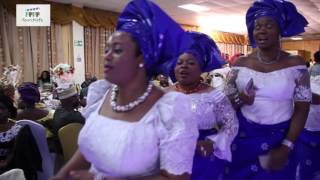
[(124, 121), (283, 69)]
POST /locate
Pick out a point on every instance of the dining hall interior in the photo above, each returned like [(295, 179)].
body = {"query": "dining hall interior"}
[(46, 69)]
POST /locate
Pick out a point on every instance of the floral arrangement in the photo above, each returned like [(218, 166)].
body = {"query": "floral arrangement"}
[(11, 75), (62, 69), (63, 74)]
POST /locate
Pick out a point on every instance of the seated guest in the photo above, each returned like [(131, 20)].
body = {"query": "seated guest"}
[(88, 80), (84, 88), (44, 81), (29, 96), (67, 113), (18, 149)]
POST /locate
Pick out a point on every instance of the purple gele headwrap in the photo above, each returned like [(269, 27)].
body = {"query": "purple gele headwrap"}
[(289, 20), (29, 93), (160, 38)]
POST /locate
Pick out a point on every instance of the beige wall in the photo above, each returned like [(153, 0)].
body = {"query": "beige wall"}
[(308, 45)]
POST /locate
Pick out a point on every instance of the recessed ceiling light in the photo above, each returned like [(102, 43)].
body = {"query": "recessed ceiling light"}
[(296, 38), (194, 7)]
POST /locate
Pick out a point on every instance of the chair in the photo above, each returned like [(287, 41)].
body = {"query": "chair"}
[(68, 136), (13, 174), (39, 133)]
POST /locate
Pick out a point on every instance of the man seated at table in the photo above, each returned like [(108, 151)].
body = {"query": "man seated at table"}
[(67, 113)]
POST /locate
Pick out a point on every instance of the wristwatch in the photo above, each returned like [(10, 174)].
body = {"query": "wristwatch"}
[(288, 143)]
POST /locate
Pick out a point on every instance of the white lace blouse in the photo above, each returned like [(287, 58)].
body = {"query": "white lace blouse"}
[(213, 109), (165, 138), (276, 92), (313, 121)]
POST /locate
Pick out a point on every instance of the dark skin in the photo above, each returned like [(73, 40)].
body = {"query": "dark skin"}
[(266, 34), (121, 68), (187, 72)]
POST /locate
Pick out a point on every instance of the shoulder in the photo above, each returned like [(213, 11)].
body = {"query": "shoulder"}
[(294, 60), (97, 90), (245, 60)]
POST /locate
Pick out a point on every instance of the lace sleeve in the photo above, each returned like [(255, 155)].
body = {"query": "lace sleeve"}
[(302, 92), (179, 135), (229, 125), (230, 89), (95, 93)]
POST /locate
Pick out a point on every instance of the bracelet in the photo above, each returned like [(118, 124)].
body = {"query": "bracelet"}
[(288, 143)]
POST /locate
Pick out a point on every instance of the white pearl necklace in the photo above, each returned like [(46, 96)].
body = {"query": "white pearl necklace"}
[(131, 105)]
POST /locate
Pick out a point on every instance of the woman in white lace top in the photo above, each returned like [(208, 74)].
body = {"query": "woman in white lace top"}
[(308, 149), (215, 116), (272, 91), (133, 130)]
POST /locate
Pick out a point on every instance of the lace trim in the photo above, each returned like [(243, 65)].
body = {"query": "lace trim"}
[(226, 117), (177, 157), (302, 91), (10, 134)]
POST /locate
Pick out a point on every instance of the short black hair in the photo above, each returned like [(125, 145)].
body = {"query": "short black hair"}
[(8, 103), (316, 56)]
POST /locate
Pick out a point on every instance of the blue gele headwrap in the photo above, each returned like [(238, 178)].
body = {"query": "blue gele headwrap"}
[(289, 20), (205, 50), (160, 38)]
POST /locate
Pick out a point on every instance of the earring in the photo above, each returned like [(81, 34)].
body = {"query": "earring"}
[(141, 65)]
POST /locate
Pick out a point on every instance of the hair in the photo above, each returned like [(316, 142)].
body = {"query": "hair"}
[(29, 93), (8, 103), (48, 76), (316, 56)]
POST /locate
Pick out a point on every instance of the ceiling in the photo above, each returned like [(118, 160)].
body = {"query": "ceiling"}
[(224, 15)]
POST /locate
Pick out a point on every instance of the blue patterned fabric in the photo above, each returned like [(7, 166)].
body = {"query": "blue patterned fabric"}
[(207, 168), (308, 152), (205, 51), (160, 38), (252, 141), (290, 21)]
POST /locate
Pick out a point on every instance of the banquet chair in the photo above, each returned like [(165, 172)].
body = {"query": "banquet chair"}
[(39, 133), (68, 136)]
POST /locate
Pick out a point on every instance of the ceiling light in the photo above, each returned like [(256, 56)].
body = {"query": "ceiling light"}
[(296, 38), (194, 7)]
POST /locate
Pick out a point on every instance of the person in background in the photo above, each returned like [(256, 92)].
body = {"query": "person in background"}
[(88, 80), (44, 81), (271, 90), (133, 129), (215, 116), (84, 88), (308, 149), (17, 145), (315, 68), (163, 81), (65, 114), (29, 96)]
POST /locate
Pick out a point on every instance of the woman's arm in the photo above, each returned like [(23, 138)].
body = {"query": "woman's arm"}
[(302, 98), (77, 162)]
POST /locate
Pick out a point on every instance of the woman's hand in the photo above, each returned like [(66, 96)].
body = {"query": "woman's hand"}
[(248, 98), (278, 158), (205, 147)]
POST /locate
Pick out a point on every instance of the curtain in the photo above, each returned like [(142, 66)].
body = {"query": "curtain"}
[(33, 48), (232, 49), (95, 43)]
